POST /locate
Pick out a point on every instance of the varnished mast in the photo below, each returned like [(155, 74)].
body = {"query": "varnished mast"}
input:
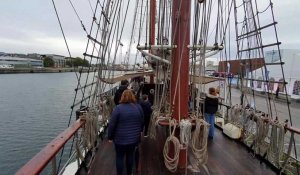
[(180, 58), (152, 29), (180, 65)]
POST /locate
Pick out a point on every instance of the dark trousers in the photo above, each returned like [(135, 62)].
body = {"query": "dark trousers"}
[(137, 158), (147, 121), (121, 151)]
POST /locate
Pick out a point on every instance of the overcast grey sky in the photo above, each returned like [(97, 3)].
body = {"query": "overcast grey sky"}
[(30, 26)]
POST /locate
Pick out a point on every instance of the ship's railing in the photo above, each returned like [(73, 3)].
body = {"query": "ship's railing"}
[(290, 163), (49, 153), (110, 92)]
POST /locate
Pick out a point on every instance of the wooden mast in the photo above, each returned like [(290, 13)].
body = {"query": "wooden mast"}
[(180, 66), (180, 58), (152, 29)]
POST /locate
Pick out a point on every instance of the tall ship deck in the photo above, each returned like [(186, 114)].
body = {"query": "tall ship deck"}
[(173, 41)]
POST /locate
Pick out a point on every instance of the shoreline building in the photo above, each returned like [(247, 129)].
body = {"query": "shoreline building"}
[(253, 69), (18, 62), (211, 66), (290, 59), (59, 60)]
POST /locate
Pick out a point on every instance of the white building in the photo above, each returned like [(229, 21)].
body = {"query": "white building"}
[(20, 62), (291, 69), (211, 66)]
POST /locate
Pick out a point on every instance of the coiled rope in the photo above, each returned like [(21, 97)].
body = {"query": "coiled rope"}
[(248, 126), (171, 163), (235, 114), (262, 129), (152, 125), (78, 151), (90, 128), (106, 107), (275, 150), (185, 131), (198, 144)]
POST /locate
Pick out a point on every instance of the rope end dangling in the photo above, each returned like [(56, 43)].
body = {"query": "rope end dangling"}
[(185, 131)]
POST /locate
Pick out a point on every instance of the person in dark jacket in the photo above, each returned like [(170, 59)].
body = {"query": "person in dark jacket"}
[(210, 108), (122, 88), (277, 92), (125, 127), (151, 96), (146, 106)]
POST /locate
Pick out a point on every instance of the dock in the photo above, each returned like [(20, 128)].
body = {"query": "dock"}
[(42, 70)]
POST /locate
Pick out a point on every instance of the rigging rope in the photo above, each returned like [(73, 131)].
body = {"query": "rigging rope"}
[(78, 85)]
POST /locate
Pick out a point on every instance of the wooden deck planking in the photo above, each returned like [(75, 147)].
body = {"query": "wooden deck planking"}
[(225, 156)]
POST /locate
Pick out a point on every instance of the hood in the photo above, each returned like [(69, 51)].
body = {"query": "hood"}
[(123, 87), (211, 96)]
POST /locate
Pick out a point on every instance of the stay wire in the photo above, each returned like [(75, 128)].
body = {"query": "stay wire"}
[(78, 16), (61, 28), (147, 12), (140, 22), (108, 45), (78, 78), (75, 72), (90, 5)]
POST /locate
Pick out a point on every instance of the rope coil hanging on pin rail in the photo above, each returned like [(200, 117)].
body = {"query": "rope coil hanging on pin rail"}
[(171, 163)]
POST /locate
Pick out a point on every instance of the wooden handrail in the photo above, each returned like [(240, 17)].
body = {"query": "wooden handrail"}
[(293, 129), (41, 160)]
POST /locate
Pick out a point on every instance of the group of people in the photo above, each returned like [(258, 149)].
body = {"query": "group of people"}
[(130, 118)]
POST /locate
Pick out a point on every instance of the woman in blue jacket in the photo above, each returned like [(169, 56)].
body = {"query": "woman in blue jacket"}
[(125, 127)]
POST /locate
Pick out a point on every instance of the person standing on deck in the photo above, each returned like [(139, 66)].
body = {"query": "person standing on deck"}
[(277, 92), (146, 106), (122, 88), (151, 97), (125, 127), (218, 91), (210, 108)]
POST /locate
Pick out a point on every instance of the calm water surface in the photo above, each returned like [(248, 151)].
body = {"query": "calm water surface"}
[(34, 108)]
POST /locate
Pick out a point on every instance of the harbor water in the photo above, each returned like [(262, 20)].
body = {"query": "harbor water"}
[(34, 109)]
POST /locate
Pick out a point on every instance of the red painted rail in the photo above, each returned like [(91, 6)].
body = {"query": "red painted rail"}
[(293, 129), (41, 160)]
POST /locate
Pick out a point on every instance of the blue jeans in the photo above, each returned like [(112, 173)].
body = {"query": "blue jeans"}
[(121, 152), (210, 118)]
